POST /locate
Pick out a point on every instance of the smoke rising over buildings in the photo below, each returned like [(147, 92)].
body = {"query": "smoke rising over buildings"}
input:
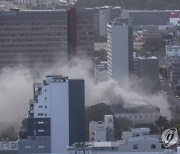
[(16, 89)]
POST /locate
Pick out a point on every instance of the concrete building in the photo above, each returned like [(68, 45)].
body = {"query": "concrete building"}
[(56, 116), (97, 131), (102, 130), (100, 46), (136, 140), (44, 37), (147, 17), (8, 147), (147, 71), (172, 51), (173, 70), (32, 37), (102, 16), (120, 47), (81, 31), (101, 72), (151, 31), (175, 18), (138, 45), (140, 115)]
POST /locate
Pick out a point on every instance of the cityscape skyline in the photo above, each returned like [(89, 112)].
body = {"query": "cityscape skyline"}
[(105, 79)]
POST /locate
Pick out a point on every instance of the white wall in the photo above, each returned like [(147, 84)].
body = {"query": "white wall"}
[(43, 105), (59, 117)]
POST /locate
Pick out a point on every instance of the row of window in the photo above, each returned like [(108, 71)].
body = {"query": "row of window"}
[(138, 116), (42, 106), (135, 146), (32, 23), (33, 29), (33, 39), (33, 45), (42, 114), (33, 34)]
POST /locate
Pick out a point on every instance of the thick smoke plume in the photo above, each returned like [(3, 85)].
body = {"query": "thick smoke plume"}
[(16, 89)]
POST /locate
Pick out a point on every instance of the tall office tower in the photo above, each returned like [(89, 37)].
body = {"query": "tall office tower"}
[(44, 37), (33, 37), (102, 16), (81, 31), (120, 47), (147, 70), (56, 116)]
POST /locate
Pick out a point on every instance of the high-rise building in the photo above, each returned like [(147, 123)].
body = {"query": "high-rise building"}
[(44, 37), (81, 31), (56, 116), (147, 17), (120, 46), (147, 71), (102, 16), (33, 37)]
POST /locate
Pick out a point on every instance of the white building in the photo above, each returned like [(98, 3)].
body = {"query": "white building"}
[(172, 51), (140, 115), (102, 130), (56, 116), (97, 131), (175, 18), (140, 118), (136, 141), (8, 146), (119, 49)]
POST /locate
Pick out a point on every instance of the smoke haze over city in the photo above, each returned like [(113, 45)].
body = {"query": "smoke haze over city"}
[(17, 88)]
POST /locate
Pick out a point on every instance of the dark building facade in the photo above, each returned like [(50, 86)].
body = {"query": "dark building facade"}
[(44, 37)]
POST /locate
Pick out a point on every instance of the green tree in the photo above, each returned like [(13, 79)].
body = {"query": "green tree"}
[(120, 125), (162, 123), (163, 72), (154, 46)]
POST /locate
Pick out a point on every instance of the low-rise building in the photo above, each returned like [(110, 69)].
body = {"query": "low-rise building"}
[(102, 130), (175, 18), (151, 31), (147, 71), (140, 115), (8, 147), (136, 140)]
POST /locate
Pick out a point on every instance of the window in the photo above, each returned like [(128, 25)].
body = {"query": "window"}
[(135, 146), (162, 146), (153, 146), (40, 114)]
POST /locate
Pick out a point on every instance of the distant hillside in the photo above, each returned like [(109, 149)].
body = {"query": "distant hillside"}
[(132, 4)]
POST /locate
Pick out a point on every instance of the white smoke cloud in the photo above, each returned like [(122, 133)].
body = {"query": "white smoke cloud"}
[(16, 89)]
